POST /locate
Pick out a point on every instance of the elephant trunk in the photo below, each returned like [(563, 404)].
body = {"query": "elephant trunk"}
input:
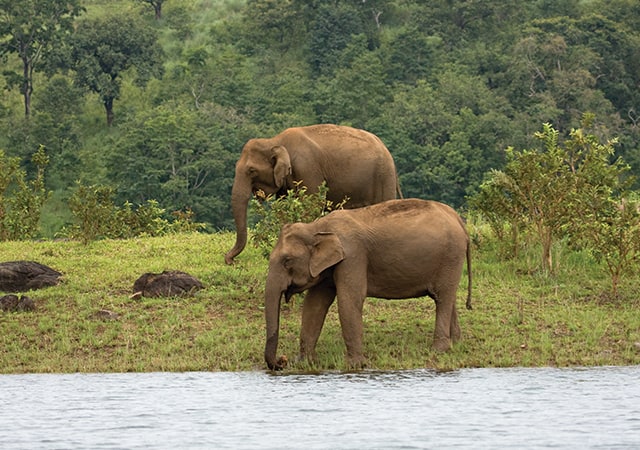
[(240, 196), (273, 296)]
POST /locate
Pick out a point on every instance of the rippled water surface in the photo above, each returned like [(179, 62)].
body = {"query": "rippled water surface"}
[(474, 408)]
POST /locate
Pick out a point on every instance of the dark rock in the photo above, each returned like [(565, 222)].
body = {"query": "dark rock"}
[(21, 276), (166, 284), (13, 303)]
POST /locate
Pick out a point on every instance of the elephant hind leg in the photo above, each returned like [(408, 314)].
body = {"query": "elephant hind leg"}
[(454, 330), (441, 344), (447, 327)]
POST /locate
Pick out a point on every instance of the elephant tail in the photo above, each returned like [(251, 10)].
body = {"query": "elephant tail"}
[(469, 274)]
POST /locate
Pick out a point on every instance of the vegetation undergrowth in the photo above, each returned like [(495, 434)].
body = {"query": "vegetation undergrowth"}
[(521, 316), (298, 205)]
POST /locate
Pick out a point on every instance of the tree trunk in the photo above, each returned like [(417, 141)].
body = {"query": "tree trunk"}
[(547, 261), (27, 104), (515, 238), (27, 85), (108, 106)]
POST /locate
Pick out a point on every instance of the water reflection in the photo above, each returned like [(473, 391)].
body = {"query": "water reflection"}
[(530, 408)]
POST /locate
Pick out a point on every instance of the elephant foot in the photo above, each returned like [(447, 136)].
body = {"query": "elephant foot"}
[(441, 344), (278, 364), (456, 335), (310, 357), (304, 362), (356, 362)]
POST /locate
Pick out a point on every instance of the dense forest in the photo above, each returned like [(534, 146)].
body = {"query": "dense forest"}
[(155, 98)]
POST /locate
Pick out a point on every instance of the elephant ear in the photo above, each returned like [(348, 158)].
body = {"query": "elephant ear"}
[(282, 165), (327, 251)]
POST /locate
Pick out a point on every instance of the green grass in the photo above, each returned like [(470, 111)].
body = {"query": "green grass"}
[(520, 317)]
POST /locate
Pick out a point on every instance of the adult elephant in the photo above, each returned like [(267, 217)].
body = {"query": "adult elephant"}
[(395, 249), (354, 163)]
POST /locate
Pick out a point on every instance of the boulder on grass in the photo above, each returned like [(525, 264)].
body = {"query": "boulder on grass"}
[(169, 283), (13, 303), (22, 276)]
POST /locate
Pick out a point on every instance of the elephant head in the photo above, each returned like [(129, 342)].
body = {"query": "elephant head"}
[(298, 262), (262, 166)]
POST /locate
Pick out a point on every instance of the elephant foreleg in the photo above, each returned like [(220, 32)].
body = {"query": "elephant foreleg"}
[(314, 311)]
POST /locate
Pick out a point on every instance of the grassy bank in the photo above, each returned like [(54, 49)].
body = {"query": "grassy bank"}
[(520, 317)]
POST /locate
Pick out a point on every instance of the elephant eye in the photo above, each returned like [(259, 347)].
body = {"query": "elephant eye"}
[(287, 262)]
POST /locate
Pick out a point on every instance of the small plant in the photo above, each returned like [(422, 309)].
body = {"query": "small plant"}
[(93, 210), (297, 206), (611, 231), (183, 222), (503, 213)]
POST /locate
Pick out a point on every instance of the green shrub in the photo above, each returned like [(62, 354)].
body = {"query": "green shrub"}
[(576, 190), (297, 206), (97, 217), (21, 201)]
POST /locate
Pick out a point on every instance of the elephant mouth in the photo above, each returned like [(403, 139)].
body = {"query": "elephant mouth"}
[(290, 292), (293, 289)]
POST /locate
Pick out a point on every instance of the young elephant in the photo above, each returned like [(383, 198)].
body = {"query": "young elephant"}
[(394, 249)]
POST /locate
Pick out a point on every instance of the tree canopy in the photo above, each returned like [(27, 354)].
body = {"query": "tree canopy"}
[(31, 29), (447, 85), (103, 49)]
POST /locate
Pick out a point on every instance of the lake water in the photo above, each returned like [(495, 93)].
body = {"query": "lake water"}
[(471, 408)]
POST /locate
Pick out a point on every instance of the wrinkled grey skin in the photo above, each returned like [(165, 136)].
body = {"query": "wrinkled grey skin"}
[(354, 163), (395, 249)]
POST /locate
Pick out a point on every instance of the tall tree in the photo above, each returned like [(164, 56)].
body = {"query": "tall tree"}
[(31, 29), (104, 48)]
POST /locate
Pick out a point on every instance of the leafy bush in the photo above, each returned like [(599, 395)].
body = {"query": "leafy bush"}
[(612, 233), (296, 206), (21, 201), (97, 216), (530, 191), (570, 191)]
